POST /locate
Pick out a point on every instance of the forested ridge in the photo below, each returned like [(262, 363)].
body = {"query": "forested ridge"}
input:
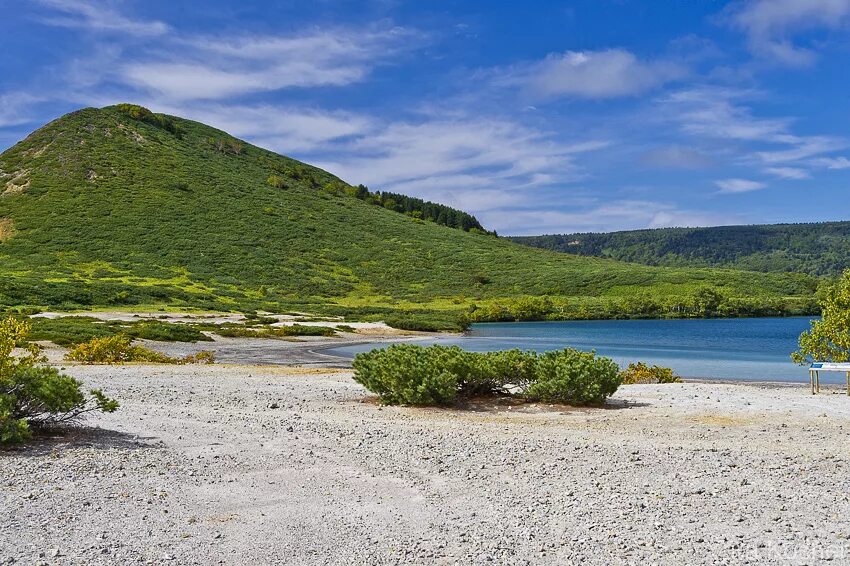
[(816, 248)]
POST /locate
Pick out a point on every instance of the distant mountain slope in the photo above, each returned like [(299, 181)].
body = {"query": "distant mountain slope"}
[(118, 206), (817, 249)]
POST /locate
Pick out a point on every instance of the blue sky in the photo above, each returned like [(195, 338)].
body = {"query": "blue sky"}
[(542, 117)]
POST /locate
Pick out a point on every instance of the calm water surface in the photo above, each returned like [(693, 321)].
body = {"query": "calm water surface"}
[(743, 348)]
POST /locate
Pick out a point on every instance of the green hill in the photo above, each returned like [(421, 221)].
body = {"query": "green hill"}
[(118, 207), (817, 249)]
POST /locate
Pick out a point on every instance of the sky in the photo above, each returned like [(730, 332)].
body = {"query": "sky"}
[(537, 117)]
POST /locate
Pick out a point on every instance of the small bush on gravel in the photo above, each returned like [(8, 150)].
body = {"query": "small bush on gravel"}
[(415, 375), (405, 374), (119, 349), (116, 349), (643, 373), (574, 377), (34, 395)]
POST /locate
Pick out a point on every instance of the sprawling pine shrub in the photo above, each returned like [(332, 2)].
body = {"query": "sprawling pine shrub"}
[(415, 375), (404, 374), (574, 377), (34, 395)]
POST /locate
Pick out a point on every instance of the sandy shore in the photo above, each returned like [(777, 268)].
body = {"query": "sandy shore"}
[(273, 465)]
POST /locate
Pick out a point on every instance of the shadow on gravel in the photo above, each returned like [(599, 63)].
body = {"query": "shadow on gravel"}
[(491, 405), (505, 404), (59, 439)]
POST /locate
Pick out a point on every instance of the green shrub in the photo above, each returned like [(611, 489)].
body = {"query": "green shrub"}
[(34, 395), (408, 374), (642, 373), (71, 330), (427, 321), (405, 374), (166, 332), (574, 377), (116, 349), (119, 349), (514, 368), (241, 331)]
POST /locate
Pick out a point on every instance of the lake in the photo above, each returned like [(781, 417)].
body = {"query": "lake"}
[(741, 348)]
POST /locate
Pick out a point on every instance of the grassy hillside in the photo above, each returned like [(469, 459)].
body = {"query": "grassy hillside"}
[(115, 208), (817, 249)]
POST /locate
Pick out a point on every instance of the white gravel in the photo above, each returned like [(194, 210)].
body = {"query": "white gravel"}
[(274, 465)]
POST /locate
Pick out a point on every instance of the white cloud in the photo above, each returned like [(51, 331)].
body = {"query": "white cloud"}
[(592, 74), (98, 16), (16, 108), (831, 162), (676, 157), (715, 112), (739, 185), (719, 114), (794, 173), (285, 129), (210, 68), (801, 147), (770, 25), (440, 155), (616, 215)]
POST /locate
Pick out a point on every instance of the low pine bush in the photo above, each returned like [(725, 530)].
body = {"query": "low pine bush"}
[(574, 377), (404, 374), (642, 373), (33, 395), (408, 374)]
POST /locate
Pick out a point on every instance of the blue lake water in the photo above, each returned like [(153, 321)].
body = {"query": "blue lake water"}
[(743, 348)]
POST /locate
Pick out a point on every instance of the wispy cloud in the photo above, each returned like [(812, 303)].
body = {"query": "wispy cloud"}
[(831, 162), (282, 128), (614, 215), (721, 114), (99, 17), (771, 25), (212, 68), (676, 157), (591, 74), (794, 173), (17, 108), (436, 153), (739, 185)]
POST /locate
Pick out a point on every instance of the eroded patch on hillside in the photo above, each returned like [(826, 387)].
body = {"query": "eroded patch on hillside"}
[(132, 133), (7, 229), (14, 183)]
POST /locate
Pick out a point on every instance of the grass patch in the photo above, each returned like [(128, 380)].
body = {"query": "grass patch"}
[(71, 330)]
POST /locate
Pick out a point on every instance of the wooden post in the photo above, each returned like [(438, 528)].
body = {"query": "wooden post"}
[(812, 380), (817, 380), (848, 383)]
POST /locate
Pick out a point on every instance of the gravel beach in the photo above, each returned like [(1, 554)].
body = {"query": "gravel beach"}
[(237, 464)]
